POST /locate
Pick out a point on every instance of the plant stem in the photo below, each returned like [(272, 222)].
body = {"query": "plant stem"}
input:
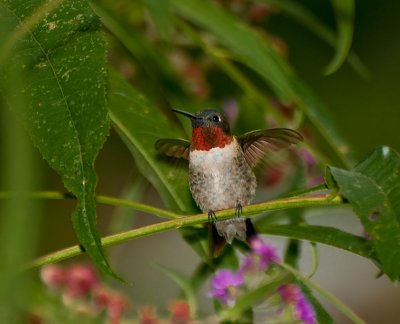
[(178, 221), (105, 200), (137, 206)]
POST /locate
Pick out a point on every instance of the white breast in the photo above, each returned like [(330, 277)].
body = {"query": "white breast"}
[(220, 178)]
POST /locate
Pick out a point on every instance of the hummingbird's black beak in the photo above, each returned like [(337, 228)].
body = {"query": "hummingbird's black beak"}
[(184, 113)]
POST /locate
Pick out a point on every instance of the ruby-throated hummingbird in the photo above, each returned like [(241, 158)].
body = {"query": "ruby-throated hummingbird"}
[(220, 165)]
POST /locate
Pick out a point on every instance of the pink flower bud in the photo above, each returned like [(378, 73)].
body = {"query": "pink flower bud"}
[(53, 276), (80, 281), (259, 12), (180, 312), (114, 303), (147, 315)]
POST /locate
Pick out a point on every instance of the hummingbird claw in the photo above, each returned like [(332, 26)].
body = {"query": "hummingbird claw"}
[(212, 218), (239, 209)]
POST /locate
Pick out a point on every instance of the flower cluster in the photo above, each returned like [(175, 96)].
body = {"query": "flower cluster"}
[(261, 256), (82, 291), (227, 285), (179, 313)]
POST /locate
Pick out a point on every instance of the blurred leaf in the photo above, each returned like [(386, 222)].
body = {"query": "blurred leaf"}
[(203, 271), (62, 58), (140, 125), (373, 189), (153, 62), (293, 253), (302, 15), (159, 11), (344, 13), (123, 217), (185, 284), (323, 234), (320, 117), (251, 49), (296, 215), (21, 217), (246, 45), (197, 238)]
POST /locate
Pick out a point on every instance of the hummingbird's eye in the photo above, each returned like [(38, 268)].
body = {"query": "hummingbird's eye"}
[(216, 118)]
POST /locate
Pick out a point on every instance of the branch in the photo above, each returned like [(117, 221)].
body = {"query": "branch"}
[(179, 221)]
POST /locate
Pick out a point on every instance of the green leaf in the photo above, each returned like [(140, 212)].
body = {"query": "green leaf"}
[(62, 58), (373, 189), (249, 48), (197, 238), (140, 125), (344, 12), (325, 235)]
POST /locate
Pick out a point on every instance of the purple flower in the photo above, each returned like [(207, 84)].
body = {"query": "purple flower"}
[(304, 311), (225, 286), (291, 294), (262, 254), (308, 158)]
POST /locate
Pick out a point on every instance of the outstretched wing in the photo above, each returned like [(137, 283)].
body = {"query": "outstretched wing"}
[(258, 143), (177, 148)]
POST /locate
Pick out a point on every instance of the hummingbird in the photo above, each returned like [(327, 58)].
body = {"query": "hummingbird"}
[(221, 167)]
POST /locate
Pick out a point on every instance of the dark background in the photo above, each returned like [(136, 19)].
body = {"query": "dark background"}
[(366, 111)]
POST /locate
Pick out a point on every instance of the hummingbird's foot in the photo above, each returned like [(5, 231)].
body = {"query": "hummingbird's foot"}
[(239, 209), (212, 218)]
